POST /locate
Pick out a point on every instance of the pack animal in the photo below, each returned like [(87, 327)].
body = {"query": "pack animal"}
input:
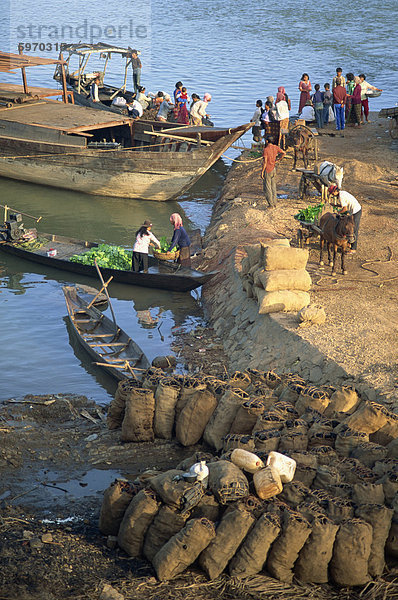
[(337, 233), (330, 173), (299, 138)]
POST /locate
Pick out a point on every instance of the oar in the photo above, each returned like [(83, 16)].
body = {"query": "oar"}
[(7, 208), (100, 292), (105, 287)]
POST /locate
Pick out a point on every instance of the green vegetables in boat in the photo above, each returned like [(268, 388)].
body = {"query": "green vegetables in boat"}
[(110, 257)]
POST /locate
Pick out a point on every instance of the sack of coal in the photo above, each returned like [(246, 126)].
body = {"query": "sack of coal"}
[(166, 523), (222, 418), (247, 416), (189, 386), (117, 497), (351, 551), (380, 518), (117, 406), (234, 440), (171, 487), (312, 397), (267, 441), (285, 550), (312, 563), (252, 555), (343, 400), (138, 418), (194, 417), (165, 402), (139, 515), (227, 482), (369, 418), (183, 548), (240, 379), (230, 532)]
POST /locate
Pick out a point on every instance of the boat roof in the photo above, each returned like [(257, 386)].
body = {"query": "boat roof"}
[(99, 48), (70, 118), (10, 62)]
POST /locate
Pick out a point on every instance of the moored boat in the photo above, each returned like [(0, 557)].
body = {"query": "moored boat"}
[(106, 343), (82, 149)]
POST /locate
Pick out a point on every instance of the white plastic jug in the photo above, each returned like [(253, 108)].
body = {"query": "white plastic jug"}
[(285, 466), (246, 460)]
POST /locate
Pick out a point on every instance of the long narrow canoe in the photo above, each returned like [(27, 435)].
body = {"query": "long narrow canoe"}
[(106, 343), (160, 275)]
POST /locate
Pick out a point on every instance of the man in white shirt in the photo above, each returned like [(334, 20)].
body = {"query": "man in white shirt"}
[(198, 110), (308, 113), (349, 204), (135, 109), (94, 90)]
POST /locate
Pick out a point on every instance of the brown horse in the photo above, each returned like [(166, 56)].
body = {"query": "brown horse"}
[(299, 138), (337, 231)]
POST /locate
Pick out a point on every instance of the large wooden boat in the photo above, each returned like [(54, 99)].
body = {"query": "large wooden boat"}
[(106, 343), (68, 146), (161, 274)]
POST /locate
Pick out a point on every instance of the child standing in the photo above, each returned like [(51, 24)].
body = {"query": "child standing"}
[(182, 100), (317, 100), (327, 103)]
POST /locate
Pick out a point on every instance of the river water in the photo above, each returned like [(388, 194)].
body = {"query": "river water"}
[(238, 52)]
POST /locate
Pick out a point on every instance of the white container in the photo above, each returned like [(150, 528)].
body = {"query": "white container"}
[(52, 253), (246, 460), (285, 466)]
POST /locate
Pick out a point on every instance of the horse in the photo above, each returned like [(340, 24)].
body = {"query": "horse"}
[(337, 231), (299, 138), (330, 173)]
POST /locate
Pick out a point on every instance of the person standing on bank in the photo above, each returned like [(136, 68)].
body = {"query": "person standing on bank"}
[(349, 204), (137, 66), (339, 101), (271, 154), (256, 119), (305, 88), (180, 240), (143, 239)]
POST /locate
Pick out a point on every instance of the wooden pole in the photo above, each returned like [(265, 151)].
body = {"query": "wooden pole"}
[(6, 208), (25, 84), (107, 295), (99, 293), (63, 78)]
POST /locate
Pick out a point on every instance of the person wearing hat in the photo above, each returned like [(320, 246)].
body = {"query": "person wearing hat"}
[(143, 239), (137, 66), (350, 205)]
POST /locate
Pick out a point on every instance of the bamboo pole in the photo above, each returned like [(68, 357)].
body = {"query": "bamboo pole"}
[(107, 295), (63, 78), (25, 84), (100, 292)]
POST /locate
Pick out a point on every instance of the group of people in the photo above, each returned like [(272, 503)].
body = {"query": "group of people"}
[(144, 238), (185, 110), (347, 101), (273, 110)]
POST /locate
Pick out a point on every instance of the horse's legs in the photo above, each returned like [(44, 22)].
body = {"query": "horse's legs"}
[(334, 259), (305, 158), (330, 261), (321, 241), (343, 251), (295, 158)]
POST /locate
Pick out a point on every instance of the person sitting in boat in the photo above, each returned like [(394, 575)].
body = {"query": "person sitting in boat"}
[(135, 109), (94, 88), (198, 109), (164, 108), (144, 100), (143, 239), (180, 240)]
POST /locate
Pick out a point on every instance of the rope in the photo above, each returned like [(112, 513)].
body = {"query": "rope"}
[(242, 161)]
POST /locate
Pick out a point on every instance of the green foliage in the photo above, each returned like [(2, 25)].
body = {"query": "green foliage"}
[(164, 245), (110, 257), (309, 214), (255, 153)]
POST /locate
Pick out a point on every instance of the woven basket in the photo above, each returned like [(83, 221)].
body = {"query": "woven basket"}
[(167, 255)]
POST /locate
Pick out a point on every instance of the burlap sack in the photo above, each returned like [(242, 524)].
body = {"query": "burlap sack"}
[(304, 458), (252, 554), (270, 419), (295, 426), (165, 402), (369, 417), (382, 467), (392, 540), (286, 548), (311, 416), (287, 279), (138, 418), (234, 440), (305, 474), (267, 483), (342, 400), (312, 563), (215, 386), (392, 449), (359, 474), (369, 453), (380, 518), (240, 380), (272, 379), (151, 380), (340, 509), (170, 488), (341, 490), (116, 408), (294, 493), (227, 482), (190, 385), (388, 433), (245, 266), (166, 523), (390, 486), (312, 397), (285, 404), (117, 497), (320, 426), (139, 515), (230, 532), (279, 258), (367, 493), (325, 455), (247, 416), (312, 315), (194, 417), (208, 507), (310, 510), (326, 475), (255, 375), (266, 441), (347, 439), (322, 438), (293, 442), (281, 301), (183, 548), (351, 551), (222, 418), (253, 252)]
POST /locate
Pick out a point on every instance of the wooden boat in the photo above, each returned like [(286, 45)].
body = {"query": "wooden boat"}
[(68, 146), (106, 343), (161, 274)]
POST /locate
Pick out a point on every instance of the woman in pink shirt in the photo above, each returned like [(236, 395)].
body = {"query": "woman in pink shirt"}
[(144, 238), (305, 88)]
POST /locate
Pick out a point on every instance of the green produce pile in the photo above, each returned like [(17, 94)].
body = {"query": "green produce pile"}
[(32, 245), (164, 245), (309, 214), (255, 153), (110, 257)]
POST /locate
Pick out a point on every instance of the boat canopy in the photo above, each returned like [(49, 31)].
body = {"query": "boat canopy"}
[(99, 48)]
